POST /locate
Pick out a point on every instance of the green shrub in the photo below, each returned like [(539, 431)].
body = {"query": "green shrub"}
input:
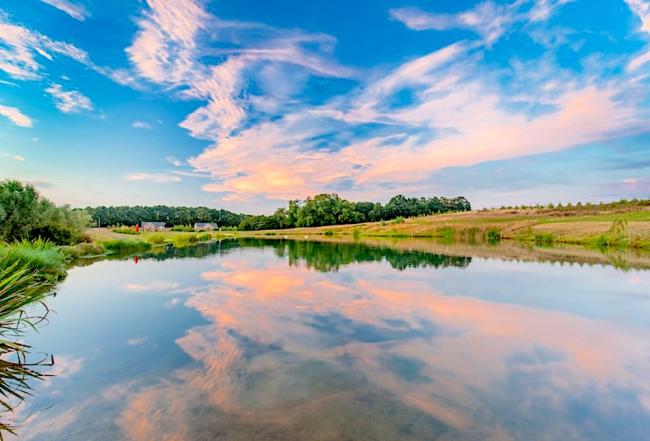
[(328, 233), (447, 233), (125, 230), (183, 240), (492, 235), (544, 239), (126, 246), (398, 220), (156, 238), (83, 250), (185, 228)]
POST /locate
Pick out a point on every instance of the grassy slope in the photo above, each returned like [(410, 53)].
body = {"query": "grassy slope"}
[(583, 225)]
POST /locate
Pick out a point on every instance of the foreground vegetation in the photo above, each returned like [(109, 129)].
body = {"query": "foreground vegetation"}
[(624, 224), (27, 276)]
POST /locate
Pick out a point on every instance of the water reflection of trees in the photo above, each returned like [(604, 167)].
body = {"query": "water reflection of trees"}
[(321, 256), (326, 256)]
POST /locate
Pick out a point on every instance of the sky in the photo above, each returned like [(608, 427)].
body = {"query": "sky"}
[(243, 104)]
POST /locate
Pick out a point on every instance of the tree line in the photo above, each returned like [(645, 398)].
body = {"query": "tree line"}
[(26, 215), (330, 209), (171, 216)]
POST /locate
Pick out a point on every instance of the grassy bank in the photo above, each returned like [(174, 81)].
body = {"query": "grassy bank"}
[(621, 225), (115, 241)]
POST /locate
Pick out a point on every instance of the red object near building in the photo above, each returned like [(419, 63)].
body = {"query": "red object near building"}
[(137, 228)]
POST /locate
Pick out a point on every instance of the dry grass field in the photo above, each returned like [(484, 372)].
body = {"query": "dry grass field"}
[(625, 225)]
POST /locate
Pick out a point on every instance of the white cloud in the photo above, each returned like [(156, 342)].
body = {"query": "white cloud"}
[(154, 286), (642, 9), (69, 101), (22, 51), (175, 162), (486, 19), (138, 341), (16, 116), (65, 366), (75, 11), (14, 157), (20, 48), (155, 178), (638, 61), (542, 9), (141, 125)]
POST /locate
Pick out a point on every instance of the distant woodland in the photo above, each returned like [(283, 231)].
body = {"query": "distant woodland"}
[(323, 209)]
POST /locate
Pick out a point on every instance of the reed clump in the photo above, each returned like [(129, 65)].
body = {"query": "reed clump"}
[(21, 286), (43, 257)]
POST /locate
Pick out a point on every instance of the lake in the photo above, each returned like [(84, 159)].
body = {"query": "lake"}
[(298, 340)]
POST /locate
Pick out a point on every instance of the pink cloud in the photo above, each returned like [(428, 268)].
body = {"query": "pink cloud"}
[(16, 116), (274, 159)]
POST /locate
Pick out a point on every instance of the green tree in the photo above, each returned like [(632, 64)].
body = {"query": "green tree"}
[(25, 215), (18, 210)]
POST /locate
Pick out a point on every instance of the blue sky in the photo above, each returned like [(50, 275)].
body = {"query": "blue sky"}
[(245, 104)]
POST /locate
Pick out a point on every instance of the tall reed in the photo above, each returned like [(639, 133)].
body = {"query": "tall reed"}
[(21, 287)]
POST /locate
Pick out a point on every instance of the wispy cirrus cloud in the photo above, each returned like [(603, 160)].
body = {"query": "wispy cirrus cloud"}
[(16, 116), (175, 36), (69, 101), (74, 10), (23, 52), (154, 178), (488, 19), (21, 47), (641, 8), (141, 125)]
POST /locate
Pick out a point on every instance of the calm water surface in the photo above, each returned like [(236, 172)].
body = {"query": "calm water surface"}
[(302, 341)]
